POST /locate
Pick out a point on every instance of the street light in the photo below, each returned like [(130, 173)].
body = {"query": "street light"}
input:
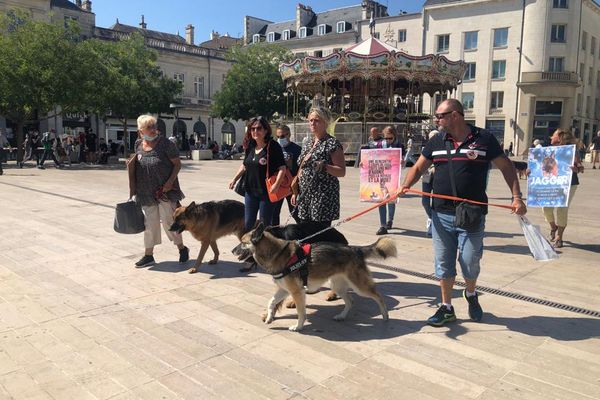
[(176, 107)]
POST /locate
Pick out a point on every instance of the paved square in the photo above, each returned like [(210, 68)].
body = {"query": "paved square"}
[(78, 321)]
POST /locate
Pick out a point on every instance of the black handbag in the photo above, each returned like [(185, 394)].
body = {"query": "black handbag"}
[(240, 185), (129, 218), (467, 215)]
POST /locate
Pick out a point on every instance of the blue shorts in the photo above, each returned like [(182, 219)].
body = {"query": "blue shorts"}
[(449, 240)]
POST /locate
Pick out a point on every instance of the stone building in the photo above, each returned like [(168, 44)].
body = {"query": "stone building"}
[(534, 65), (200, 68)]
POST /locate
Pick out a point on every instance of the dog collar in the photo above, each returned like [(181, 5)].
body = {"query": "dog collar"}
[(298, 262)]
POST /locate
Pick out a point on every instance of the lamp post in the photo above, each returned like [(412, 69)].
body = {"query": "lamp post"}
[(176, 107)]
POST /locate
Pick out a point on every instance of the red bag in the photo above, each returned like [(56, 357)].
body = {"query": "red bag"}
[(285, 188)]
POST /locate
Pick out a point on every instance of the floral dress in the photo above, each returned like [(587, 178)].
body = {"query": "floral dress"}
[(319, 198)]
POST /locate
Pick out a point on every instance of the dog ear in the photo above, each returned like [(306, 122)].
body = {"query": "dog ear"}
[(192, 204), (258, 233)]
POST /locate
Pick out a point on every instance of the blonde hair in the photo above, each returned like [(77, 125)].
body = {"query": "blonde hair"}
[(391, 130), (565, 137), (146, 121), (322, 113)]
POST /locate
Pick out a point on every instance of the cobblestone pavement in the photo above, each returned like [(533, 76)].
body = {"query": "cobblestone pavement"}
[(78, 321)]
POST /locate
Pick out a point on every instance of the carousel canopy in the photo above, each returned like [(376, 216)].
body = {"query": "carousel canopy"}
[(373, 59)]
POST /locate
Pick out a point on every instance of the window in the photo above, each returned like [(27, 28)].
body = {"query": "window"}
[(321, 30), (579, 102), (178, 77), (271, 37), (318, 53), (556, 64), (558, 34), (588, 105), (593, 45), (560, 4), (69, 20), (443, 43), (439, 97), (199, 87), (598, 80), (581, 69), (470, 72), (497, 100), (583, 40), (336, 50), (340, 27), (255, 38), (468, 99), (402, 35), (499, 69), (302, 32), (591, 76), (470, 40), (496, 128), (500, 37), (285, 35), (544, 108)]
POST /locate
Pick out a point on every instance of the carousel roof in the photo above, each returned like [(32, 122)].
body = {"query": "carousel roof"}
[(372, 59), (370, 47)]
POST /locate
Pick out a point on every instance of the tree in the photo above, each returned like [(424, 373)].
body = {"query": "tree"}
[(253, 85), (126, 81), (36, 62)]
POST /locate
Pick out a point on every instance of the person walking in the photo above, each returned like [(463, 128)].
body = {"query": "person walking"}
[(390, 140), (49, 143), (156, 188), (557, 225), (462, 155), (595, 149), (261, 150), (291, 153), (323, 162)]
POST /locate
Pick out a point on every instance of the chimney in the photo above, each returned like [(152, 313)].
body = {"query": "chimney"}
[(87, 5), (78, 3), (143, 24), (304, 14), (214, 35), (189, 34)]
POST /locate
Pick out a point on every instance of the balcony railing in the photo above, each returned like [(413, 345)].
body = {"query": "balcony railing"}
[(570, 78)]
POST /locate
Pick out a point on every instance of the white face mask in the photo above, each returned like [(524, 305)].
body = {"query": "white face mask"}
[(282, 142)]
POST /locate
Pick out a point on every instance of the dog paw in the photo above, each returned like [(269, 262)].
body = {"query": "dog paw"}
[(290, 304), (339, 317), (213, 261), (295, 328), (193, 270), (332, 296)]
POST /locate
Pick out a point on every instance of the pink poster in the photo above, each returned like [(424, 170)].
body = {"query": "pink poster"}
[(379, 173)]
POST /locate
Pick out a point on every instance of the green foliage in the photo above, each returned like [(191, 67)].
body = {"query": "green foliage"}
[(253, 85)]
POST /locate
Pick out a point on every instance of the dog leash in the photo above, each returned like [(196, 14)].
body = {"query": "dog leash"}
[(394, 197)]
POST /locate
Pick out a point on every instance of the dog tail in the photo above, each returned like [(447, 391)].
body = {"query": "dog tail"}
[(383, 248)]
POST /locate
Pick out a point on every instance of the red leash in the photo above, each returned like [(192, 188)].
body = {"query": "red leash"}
[(443, 196)]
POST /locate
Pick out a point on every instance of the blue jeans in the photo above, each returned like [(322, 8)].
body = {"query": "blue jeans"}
[(391, 208), (448, 240), (252, 206)]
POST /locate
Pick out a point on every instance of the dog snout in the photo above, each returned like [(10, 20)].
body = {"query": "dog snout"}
[(177, 227)]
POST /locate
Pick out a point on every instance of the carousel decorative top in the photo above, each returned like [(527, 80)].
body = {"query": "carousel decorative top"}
[(374, 59)]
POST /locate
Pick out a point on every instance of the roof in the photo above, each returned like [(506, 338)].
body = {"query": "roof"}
[(439, 2), (369, 47), (169, 37), (65, 4), (331, 17), (221, 42)]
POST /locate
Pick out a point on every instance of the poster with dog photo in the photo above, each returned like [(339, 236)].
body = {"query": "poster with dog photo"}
[(550, 173), (379, 173)]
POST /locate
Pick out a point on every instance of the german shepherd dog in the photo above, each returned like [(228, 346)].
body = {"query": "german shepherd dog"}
[(208, 222), (343, 265)]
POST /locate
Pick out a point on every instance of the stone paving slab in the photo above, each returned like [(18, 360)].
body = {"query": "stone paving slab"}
[(78, 321)]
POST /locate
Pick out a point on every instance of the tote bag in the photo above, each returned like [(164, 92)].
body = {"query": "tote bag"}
[(129, 218)]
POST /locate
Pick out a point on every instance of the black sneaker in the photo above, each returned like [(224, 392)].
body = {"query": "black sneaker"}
[(442, 316), (184, 254), (145, 261), (475, 311), (389, 225), (381, 231)]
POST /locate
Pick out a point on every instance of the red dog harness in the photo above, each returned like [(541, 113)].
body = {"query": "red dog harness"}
[(298, 262)]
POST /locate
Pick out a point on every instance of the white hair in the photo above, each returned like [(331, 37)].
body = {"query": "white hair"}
[(433, 133)]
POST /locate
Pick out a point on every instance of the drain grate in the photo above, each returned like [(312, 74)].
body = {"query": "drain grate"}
[(498, 292)]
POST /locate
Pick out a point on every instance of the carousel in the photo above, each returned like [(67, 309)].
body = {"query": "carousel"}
[(368, 84)]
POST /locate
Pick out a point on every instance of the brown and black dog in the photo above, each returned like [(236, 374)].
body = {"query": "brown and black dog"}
[(208, 222)]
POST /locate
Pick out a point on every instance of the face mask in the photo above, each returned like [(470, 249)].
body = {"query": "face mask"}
[(282, 142), (150, 138)]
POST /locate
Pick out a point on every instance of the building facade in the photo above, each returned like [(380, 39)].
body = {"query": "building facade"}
[(200, 68), (533, 65)]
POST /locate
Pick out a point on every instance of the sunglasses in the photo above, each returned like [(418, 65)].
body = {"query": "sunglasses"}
[(442, 115)]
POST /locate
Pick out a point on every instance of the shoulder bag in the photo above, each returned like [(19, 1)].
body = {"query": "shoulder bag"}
[(129, 218), (468, 216), (296, 181), (284, 189)]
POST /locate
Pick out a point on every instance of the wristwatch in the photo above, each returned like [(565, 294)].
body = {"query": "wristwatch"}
[(518, 196)]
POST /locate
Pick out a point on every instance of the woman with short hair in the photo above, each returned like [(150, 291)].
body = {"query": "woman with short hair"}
[(157, 190)]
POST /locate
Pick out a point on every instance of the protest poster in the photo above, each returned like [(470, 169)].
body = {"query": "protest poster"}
[(549, 180), (379, 173)]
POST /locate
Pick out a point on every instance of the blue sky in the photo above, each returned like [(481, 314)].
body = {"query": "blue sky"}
[(222, 16)]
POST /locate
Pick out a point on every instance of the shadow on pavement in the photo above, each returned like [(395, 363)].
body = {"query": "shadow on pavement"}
[(564, 329), (509, 249), (594, 248)]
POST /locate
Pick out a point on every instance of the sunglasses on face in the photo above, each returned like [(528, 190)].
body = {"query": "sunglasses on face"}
[(442, 115)]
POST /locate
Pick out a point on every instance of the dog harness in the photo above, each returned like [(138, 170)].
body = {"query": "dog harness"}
[(298, 262)]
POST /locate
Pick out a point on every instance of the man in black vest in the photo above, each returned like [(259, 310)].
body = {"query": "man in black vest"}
[(461, 153)]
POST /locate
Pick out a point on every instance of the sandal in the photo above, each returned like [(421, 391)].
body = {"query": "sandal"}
[(558, 244), (553, 234)]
